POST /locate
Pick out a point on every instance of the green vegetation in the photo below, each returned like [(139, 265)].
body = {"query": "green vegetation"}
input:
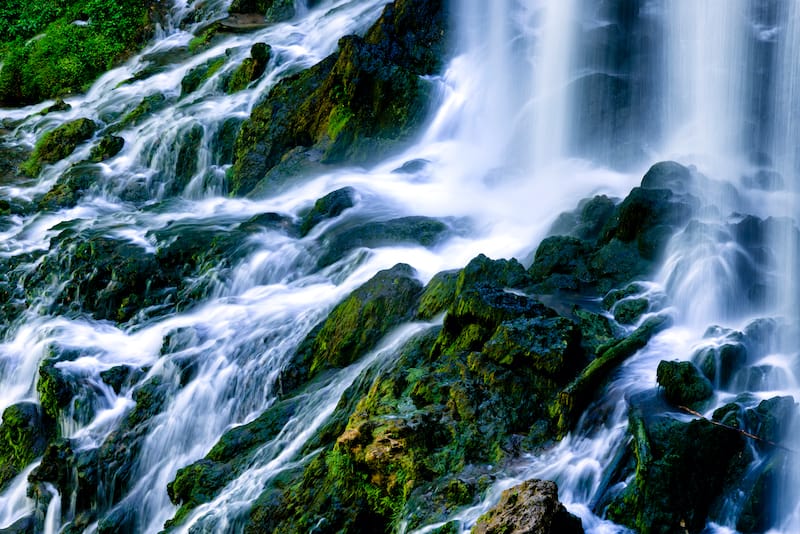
[(53, 47), (57, 144)]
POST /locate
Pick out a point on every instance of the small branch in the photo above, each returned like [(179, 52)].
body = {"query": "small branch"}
[(738, 430)]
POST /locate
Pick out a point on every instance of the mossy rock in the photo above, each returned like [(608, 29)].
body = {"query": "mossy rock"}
[(628, 311), (149, 105), (417, 230), (357, 105), (55, 389), (549, 346), (683, 383), (108, 147), (273, 10), (772, 419), (328, 207), (439, 294), (681, 468), (24, 434), (70, 187), (57, 144), (251, 68), (200, 74), (357, 323), (531, 507)]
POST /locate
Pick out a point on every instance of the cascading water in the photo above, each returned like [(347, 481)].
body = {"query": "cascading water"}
[(529, 118)]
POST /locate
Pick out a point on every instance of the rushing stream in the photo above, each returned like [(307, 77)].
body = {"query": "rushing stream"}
[(543, 104)]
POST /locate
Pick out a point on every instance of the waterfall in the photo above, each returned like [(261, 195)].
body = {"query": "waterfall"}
[(543, 103)]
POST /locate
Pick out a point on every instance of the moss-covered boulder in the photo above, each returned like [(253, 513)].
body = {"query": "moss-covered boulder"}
[(199, 482), (683, 383), (272, 10), (357, 323), (603, 246), (353, 106), (531, 507), (416, 230), (438, 295), (327, 207), (200, 74), (24, 434), (57, 144), (70, 187), (109, 278), (108, 147), (251, 68), (681, 468)]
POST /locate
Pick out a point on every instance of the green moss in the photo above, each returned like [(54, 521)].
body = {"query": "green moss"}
[(57, 144), (67, 57), (200, 74), (337, 120), (23, 436)]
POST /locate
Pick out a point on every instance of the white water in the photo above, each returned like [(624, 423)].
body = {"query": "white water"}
[(499, 145)]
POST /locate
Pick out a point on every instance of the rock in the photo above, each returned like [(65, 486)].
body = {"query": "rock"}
[(529, 508), (560, 264), (358, 322), (772, 419), (24, 434), (57, 144), (683, 383), (55, 388), (25, 525), (574, 398), (121, 376), (328, 207), (70, 187), (109, 278), (418, 230), (200, 74), (355, 106), (58, 105), (547, 346), (108, 147), (251, 68), (668, 175), (149, 105), (272, 10), (188, 148), (629, 310), (438, 295), (681, 468), (721, 363)]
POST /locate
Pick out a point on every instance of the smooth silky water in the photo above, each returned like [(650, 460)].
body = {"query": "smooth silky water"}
[(518, 132)]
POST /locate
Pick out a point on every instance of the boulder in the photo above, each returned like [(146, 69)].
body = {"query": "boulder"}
[(108, 147), (328, 207), (57, 144), (683, 383), (681, 468), (24, 434), (529, 508)]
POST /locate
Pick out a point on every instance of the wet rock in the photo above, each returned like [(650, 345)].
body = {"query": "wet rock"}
[(418, 230), (683, 383), (358, 322), (55, 388), (108, 147), (57, 144), (121, 376), (200, 74), (668, 175), (272, 10), (188, 149), (772, 418), (224, 139), (70, 187), (109, 278), (149, 105), (573, 399), (356, 105), (758, 512), (25, 525), (199, 482), (560, 264), (681, 468), (628, 311), (328, 207), (58, 105), (530, 508), (721, 363), (547, 346), (251, 68), (24, 433), (412, 167), (438, 295)]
